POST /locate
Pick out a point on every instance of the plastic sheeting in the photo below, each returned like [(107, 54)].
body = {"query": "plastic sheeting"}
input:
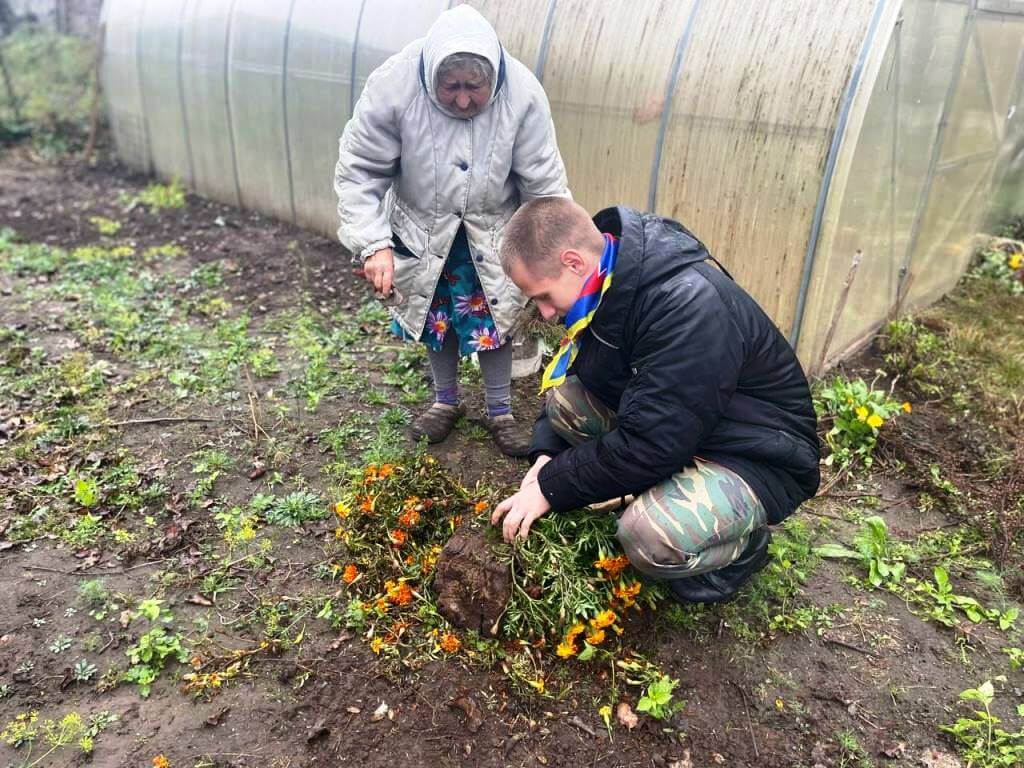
[(788, 134)]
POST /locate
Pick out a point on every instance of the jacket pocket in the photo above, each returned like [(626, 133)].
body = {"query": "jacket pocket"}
[(414, 238)]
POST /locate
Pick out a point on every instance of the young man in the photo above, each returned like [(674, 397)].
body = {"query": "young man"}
[(672, 384)]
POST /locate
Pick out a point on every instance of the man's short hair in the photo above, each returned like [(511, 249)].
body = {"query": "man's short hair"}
[(541, 230)]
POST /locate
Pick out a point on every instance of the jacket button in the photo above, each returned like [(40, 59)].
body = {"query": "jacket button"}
[(494, 302), (464, 165), (479, 258), (458, 214)]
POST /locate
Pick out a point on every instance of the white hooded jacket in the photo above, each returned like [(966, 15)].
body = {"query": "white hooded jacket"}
[(409, 168)]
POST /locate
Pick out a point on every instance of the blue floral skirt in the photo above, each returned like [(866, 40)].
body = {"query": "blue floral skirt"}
[(459, 306)]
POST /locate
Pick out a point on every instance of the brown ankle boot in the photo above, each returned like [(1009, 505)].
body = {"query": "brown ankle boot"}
[(510, 438), (437, 422)]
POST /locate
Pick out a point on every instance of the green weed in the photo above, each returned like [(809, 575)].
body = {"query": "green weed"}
[(980, 739), (856, 413)]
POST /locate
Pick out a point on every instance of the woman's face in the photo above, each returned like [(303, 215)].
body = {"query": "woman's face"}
[(463, 93)]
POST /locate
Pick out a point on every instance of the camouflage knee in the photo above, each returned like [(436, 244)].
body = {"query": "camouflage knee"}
[(575, 414), (697, 521)]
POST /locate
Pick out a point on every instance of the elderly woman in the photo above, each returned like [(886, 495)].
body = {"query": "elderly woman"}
[(449, 137)]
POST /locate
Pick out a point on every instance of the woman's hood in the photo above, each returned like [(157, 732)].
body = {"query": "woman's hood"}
[(461, 30)]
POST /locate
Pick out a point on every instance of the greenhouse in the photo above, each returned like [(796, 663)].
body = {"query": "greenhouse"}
[(838, 158)]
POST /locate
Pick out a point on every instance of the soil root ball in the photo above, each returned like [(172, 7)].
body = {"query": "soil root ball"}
[(472, 586)]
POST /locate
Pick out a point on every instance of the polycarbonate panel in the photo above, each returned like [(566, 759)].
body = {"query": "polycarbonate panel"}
[(159, 39), (607, 109), (879, 197), (204, 89), (121, 84), (930, 41), (943, 252), (1002, 6), (387, 27), (972, 123), (750, 128), (255, 91), (319, 88), (520, 25), (865, 224), (1000, 40)]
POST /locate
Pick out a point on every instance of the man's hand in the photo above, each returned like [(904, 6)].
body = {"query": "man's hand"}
[(531, 476), (522, 509), (379, 270)]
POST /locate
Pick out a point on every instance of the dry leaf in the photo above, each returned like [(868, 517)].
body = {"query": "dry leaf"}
[(381, 712)]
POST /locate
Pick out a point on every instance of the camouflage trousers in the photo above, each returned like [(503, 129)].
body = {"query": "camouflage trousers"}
[(697, 520)]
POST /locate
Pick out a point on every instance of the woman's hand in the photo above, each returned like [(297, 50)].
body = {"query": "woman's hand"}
[(379, 270)]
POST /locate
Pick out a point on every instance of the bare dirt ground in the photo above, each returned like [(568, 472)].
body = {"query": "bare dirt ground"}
[(829, 673)]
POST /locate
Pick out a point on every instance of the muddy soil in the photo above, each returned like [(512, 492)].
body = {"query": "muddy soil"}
[(775, 700)]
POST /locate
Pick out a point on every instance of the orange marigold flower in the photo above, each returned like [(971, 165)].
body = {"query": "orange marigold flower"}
[(627, 593), (370, 473), (366, 505), (400, 593), (603, 619), (450, 643), (350, 574), (409, 518), (566, 649), (409, 559), (596, 637), (386, 470), (398, 537), (380, 605), (480, 506), (613, 566), (575, 631), (161, 762)]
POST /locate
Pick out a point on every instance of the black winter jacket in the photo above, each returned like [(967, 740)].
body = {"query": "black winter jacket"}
[(693, 367)]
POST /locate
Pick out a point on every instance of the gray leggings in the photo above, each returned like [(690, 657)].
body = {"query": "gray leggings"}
[(495, 366)]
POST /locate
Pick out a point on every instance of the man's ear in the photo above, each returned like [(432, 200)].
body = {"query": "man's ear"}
[(573, 261)]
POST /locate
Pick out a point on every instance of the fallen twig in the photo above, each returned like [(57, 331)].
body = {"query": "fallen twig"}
[(577, 723), (750, 725), (162, 420), (851, 646)]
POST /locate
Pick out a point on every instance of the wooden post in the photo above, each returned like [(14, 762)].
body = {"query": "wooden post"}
[(844, 293)]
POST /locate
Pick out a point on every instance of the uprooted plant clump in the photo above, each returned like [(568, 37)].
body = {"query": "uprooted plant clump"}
[(565, 592)]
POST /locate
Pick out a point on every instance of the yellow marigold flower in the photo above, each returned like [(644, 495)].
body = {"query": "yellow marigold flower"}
[(603, 619), (1015, 261), (161, 762), (380, 605), (875, 421), (342, 510), (566, 649), (862, 413), (450, 643), (537, 685), (906, 407), (576, 630), (376, 644), (350, 574), (596, 637)]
